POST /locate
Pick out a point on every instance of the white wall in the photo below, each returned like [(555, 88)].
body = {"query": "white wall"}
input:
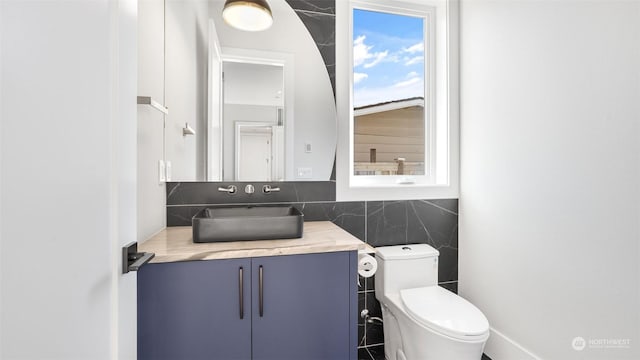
[(151, 193), (67, 139), (550, 198), (253, 84), (186, 87)]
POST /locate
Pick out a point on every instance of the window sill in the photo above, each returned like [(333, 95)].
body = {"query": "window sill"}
[(396, 192)]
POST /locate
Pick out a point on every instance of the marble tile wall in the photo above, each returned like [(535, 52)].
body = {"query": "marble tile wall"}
[(319, 17), (433, 222), (195, 193), (379, 223)]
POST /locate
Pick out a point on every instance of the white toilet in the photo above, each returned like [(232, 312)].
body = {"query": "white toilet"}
[(421, 320)]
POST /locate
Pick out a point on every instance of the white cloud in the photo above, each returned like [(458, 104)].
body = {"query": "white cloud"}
[(414, 60), (409, 82), (392, 58), (357, 77), (417, 48), (362, 53), (412, 74), (378, 57)]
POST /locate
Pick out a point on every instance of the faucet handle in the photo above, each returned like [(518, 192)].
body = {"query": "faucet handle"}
[(231, 189), (267, 189)]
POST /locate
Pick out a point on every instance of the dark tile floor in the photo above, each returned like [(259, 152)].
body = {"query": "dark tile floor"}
[(377, 353), (371, 353)]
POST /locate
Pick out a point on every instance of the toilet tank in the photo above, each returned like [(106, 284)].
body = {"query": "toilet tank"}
[(405, 267)]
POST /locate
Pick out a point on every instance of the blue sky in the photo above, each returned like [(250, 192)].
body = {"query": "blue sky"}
[(388, 57)]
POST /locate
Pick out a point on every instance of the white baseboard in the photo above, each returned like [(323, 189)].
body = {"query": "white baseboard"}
[(500, 347)]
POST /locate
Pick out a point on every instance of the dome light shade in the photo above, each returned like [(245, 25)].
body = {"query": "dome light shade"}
[(248, 15)]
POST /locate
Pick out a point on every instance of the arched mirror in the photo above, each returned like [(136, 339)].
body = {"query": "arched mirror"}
[(261, 104)]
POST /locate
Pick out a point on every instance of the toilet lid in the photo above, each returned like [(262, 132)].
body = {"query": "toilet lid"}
[(445, 312)]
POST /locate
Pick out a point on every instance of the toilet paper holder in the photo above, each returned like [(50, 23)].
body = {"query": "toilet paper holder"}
[(367, 265)]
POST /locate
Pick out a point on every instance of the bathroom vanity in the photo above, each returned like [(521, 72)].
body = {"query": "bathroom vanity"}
[(273, 299)]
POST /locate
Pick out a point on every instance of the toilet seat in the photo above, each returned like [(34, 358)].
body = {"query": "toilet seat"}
[(445, 312)]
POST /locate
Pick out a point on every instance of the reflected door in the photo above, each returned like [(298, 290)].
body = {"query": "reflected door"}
[(254, 154)]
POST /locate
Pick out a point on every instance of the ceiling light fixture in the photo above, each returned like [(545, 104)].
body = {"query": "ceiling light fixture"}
[(248, 15)]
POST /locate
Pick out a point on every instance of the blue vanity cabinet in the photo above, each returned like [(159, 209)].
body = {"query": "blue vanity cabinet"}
[(302, 307), (191, 310), (295, 307)]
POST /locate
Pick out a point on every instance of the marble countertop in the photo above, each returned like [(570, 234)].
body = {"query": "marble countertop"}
[(176, 244)]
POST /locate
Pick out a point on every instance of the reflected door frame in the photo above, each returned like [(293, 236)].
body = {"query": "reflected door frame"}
[(287, 62), (213, 156)]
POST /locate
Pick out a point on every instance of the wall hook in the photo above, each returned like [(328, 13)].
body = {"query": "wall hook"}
[(188, 130)]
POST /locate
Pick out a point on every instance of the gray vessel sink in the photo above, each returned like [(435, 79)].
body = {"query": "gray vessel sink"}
[(237, 223)]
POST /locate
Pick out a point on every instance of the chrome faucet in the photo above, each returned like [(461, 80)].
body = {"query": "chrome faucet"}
[(267, 189), (231, 189)]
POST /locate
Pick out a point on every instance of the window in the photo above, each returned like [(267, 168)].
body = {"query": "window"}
[(389, 114), (397, 99)]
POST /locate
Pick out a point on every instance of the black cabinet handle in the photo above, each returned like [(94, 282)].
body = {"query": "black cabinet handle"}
[(261, 290), (241, 289)]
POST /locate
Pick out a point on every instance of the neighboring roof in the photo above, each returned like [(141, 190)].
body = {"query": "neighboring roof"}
[(388, 106)]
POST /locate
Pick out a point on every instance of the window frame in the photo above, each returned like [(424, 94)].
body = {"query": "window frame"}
[(441, 104)]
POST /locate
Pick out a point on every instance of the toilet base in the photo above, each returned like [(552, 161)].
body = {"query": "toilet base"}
[(392, 336), (405, 339)]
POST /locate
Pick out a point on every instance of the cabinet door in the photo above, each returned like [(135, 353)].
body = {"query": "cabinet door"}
[(305, 307), (191, 310)]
